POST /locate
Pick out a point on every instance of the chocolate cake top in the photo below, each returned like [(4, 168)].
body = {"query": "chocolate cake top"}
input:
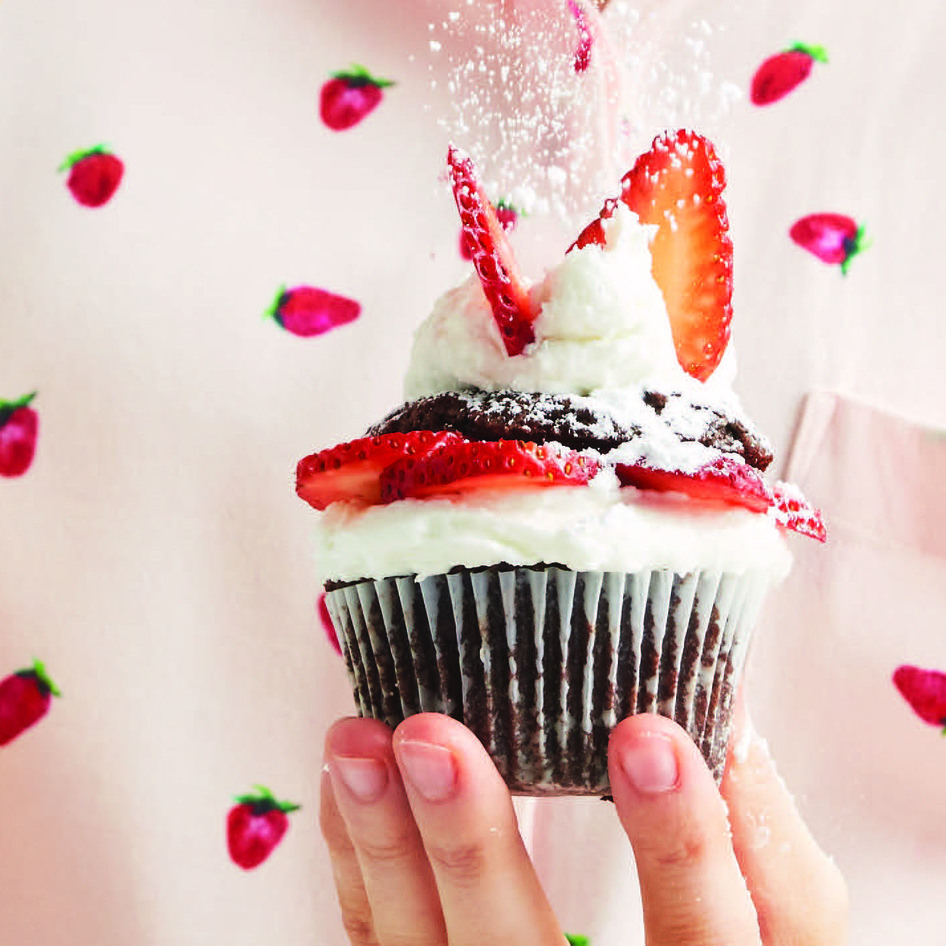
[(580, 423)]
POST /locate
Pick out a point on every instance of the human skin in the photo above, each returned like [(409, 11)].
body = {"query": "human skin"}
[(425, 849)]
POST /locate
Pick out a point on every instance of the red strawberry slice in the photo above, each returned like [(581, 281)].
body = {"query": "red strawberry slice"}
[(833, 238), (349, 96), (308, 311), (255, 825), (508, 217), (25, 698), (459, 467), (94, 175), (586, 38), (19, 425), (925, 691), (492, 255), (794, 512), (724, 480), (328, 625), (351, 471), (784, 71), (678, 185)]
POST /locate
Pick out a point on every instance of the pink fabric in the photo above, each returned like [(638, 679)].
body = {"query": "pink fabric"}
[(885, 477), (155, 556)]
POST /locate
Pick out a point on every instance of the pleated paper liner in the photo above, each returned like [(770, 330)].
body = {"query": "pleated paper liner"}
[(542, 662)]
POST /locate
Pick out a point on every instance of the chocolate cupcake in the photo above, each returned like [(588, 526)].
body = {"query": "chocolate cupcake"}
[(567, 522)]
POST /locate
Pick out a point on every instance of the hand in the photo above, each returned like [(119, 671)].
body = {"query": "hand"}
[(426, 851)]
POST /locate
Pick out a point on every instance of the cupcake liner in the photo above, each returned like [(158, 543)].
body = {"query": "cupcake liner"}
[(541, 663)]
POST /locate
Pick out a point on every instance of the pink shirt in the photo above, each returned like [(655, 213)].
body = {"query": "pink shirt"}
[(156, 558)]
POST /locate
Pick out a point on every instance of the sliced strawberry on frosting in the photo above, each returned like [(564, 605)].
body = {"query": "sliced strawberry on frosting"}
[(724, 480), (794, 512), (486, 244), (351, 471), (464, 466), (678, 186)]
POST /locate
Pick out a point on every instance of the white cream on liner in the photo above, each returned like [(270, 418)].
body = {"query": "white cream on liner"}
[(586, 528)]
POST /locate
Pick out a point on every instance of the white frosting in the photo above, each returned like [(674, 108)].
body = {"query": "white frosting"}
[(601, 323), (602, 331), (585, 528)]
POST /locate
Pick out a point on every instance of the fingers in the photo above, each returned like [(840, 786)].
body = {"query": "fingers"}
[(366, 789), (352, 897), (488, 889), (691, 886), (798, 892)]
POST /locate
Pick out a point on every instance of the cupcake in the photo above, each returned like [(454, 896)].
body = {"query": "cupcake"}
[(567, 521)]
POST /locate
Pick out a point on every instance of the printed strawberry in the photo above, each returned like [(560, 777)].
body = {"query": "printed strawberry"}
[(724, 480), (19, 424), (328, 625), (794, 512), (351, 471), (586, 37), (925, 691), (508, 217), (94, 175), (833, 238), (492, 256), (307, 311), (784, 71), (463, 466), (255, 825), (678, 185), (349, 96), (25, 698)]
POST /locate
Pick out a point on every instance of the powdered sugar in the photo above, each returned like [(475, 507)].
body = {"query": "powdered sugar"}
[(566, 135)]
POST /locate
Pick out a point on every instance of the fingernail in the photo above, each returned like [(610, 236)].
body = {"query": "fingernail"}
[(651, 764), (366, 779), (431, 769)]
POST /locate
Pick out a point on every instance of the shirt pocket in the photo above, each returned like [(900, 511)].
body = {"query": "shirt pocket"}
[(868, 773)]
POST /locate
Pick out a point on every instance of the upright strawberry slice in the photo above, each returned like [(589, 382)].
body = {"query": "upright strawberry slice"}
[(464, 466), (925, 691), (794, 512), (678, 185), (507, 215), (351, 471), (724, 480), (492, 255)]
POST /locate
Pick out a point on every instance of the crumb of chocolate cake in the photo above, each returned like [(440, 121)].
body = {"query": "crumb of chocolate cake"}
[(580, 423)]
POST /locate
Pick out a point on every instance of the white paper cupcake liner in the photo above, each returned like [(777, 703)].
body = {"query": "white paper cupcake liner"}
[(541, 663)]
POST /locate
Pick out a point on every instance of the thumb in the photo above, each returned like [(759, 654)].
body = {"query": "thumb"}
[(668, 803)]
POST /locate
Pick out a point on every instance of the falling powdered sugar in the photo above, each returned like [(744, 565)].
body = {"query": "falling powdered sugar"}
[(555, 138)]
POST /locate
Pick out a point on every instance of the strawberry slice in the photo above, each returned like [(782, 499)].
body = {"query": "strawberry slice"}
[(678, 185), (351, 471), (486, 243), (461, 466), (724, 480), (794, 512)]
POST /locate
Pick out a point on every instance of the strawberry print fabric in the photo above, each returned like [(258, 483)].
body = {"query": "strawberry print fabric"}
[(154, 555)]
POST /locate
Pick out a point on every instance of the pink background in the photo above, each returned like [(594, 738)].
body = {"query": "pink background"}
[(156, 557)]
